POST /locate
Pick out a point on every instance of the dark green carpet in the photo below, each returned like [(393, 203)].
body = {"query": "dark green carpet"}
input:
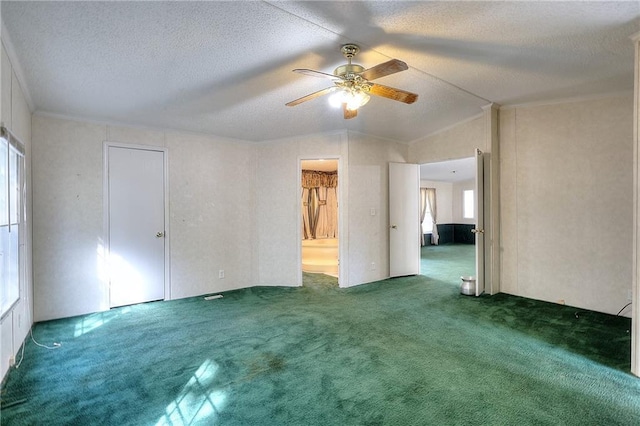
[(448, 262), (408, 351), (319, 280)]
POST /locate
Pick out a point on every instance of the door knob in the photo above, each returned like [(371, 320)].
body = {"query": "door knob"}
[(160, 235), (394, 227)]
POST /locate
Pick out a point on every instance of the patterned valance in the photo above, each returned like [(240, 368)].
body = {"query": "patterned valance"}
[(315, 179)]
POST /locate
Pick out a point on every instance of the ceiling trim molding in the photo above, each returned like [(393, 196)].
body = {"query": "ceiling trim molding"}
[(341, 132), (15, 65), (380, 138), (620, 94), (111, 123), (451, 126)]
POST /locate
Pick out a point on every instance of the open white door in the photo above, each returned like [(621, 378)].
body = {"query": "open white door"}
[(136, 215), (478, 210), (404, 219)]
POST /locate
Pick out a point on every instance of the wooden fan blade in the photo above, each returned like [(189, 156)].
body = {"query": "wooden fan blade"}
[(392, 93), (311, 96), (349, 113), (390, 67), (313, 73)]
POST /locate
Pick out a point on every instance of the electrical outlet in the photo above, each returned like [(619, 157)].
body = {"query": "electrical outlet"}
[(221, 274), (373, 266), (12, 361)]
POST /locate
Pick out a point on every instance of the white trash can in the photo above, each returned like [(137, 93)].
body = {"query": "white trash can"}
[(468, 286)]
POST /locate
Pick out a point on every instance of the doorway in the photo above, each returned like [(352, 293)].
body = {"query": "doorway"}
[(448, 251), (135, 216), (319, 222)]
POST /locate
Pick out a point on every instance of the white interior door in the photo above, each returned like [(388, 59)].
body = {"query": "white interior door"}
[(404, 219), (136, 225), (478, 210)]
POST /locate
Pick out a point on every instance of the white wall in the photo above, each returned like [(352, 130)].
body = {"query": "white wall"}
[(211, 224), (566, 206), (444, 199), (15, 115)]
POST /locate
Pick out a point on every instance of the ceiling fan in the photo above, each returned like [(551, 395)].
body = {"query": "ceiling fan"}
[(352, 84)]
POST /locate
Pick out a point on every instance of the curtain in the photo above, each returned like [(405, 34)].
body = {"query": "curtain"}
[(332, 212), (322, 224), (319, 204), (431, 200), (306, 229), (423, 211)]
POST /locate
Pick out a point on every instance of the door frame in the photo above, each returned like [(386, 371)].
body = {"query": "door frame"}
[(476, 200), (106, 279), (479, 231), (342, 218)]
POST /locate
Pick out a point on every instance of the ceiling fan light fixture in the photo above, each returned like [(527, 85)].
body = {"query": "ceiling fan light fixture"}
[(337, 99), (352, 84), (356, 98)]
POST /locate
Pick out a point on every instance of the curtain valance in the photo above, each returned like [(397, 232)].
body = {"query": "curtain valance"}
[(316, 179)]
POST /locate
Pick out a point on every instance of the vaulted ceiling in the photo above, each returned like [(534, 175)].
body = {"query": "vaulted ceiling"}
[(225, 68)]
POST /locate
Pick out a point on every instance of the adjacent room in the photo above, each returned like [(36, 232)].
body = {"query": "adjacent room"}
[(448, 213), (319, 213)]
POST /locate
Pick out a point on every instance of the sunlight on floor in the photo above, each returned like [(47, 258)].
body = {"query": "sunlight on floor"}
[(196, 402), (91, 322)]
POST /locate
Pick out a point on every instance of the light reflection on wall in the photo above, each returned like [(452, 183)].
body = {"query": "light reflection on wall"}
[(197, 401), (127, 284), (102, 274)]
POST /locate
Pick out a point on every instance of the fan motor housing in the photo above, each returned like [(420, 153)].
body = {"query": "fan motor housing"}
[(344, 70)]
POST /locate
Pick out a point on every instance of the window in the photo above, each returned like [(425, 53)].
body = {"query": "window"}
[(467, 204), (427, 223), (11, 220)]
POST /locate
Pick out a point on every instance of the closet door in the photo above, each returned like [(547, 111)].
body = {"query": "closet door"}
[(136, 222)]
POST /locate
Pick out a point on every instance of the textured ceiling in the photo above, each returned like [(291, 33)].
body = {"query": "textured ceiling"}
[(452, 171), (224, 68)]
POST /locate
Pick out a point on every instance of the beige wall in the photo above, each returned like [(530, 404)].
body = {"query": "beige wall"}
[(566, 205), (362, 187), (453, 143), (211, 223), (368, 235), (221, 215), (235, 206), (461, 141), (212, 214), (278, 237), (15, 115)]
